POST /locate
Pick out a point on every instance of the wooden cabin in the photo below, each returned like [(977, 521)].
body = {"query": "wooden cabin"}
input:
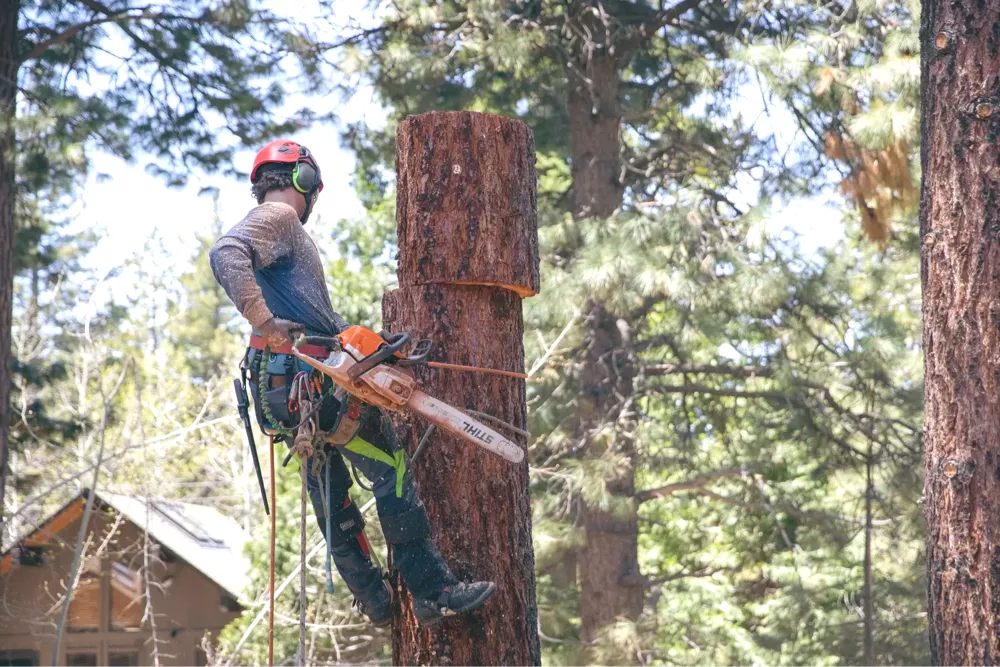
[(198, 574)]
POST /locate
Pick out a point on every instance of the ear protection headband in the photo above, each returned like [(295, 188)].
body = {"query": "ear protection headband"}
[(305, 175)]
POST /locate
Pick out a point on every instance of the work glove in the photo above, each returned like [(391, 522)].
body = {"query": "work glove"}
[(278, 332)]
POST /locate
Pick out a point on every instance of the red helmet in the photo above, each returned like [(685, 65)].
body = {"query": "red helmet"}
[(305, 170)]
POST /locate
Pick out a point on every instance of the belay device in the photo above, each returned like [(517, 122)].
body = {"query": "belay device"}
[(370, 368)]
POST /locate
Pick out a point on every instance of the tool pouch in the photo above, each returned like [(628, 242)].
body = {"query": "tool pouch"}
[(280, 370)]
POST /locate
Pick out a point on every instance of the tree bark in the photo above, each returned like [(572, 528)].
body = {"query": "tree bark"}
[(8, 186), (478, 504), (960, 273), (472, 173)]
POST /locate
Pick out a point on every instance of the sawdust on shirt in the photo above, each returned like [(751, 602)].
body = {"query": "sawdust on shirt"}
[(270, 267)]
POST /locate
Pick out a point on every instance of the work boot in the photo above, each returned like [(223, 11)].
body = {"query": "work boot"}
[(456, 599), (378, 606)]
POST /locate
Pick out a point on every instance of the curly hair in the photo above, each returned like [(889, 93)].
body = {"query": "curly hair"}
[(271, 177)]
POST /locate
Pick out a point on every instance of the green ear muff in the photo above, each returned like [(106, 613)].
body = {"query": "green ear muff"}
[(304, 177)]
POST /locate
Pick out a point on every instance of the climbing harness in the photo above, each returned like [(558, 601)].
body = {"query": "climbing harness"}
[(340, 376)]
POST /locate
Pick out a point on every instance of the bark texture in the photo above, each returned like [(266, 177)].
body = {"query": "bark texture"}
[(8, 185), (960, 226), (478, 503), (466, 189)]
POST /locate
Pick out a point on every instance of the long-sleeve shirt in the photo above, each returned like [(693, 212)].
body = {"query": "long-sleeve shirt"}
[(270, 267)]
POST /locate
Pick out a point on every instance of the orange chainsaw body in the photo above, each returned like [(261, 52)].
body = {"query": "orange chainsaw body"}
[(360, 342)]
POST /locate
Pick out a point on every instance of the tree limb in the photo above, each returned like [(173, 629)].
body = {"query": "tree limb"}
[(694, 388), (667, 16), (70, 32), (694, 483), (710, 369)]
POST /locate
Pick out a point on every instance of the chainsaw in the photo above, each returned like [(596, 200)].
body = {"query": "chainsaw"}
[(372, 368)]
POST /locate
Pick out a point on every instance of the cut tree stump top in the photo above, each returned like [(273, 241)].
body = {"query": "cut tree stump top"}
[(465, 210)]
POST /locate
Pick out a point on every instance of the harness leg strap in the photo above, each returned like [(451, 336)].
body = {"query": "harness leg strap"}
[(410, 526)]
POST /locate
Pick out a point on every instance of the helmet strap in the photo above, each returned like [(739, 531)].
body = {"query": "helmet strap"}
[(309, 205)]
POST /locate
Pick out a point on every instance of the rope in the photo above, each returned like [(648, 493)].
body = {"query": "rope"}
[(265, 408), (476, 369), (300, 654), (329, 528), (497, 420), (357, 478), (270, 583)]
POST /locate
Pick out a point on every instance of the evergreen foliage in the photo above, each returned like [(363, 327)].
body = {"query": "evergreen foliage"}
[(693, 375)]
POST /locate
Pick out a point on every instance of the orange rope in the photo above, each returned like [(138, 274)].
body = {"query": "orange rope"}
[(476, 369), (270, 610)]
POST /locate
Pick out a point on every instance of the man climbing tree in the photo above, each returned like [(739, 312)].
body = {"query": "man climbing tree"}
[(271, 269)]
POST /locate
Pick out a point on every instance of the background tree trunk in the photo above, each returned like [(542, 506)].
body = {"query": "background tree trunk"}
[(610, 580), (468, 250), (8, 185), (960, 272), (594, 135)]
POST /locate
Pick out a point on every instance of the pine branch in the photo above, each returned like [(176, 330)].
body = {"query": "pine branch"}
[(710, 369), (690, 574), (110, 16), (694, 388), (694, 484), (70, 32), (667, 16)]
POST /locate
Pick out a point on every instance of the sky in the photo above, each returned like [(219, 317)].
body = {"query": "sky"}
[(132, 205)]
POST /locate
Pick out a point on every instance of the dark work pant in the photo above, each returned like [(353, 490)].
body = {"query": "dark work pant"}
[(377, 454)]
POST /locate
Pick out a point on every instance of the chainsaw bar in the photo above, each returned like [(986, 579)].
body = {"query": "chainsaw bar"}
[(457, 422), (394, 388)]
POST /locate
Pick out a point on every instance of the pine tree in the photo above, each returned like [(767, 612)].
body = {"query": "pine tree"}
[(192, 69), (693, 373)]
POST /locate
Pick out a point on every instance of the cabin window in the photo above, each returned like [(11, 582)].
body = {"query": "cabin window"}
[(81, 659), (30, 557), (127, 606), (18, 658), (123, 658)]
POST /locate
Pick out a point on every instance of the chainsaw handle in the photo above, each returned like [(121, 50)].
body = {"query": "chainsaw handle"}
[(394, 343), (329, 342), (418, 355)]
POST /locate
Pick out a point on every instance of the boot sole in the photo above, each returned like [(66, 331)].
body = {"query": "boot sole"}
[(475, 604)]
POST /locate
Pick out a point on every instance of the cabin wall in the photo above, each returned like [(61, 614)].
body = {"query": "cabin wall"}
[(189, 606)]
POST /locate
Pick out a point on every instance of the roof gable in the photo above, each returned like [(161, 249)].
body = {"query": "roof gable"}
[(205, 539)]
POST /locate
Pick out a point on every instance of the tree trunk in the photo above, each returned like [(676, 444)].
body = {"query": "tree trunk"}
[(594, 136), (960, 272), (611, 585), (468, 251), (610, 581), (8, 185)]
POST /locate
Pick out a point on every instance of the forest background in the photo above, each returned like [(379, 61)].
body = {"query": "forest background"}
[(725, 354)]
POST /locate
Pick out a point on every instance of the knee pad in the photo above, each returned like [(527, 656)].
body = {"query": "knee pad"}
[(410, 526), (346, 524)]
